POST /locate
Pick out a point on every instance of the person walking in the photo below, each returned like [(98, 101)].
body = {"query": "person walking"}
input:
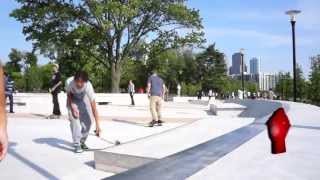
[(131, 90), (81, 105), (3, 119), (9, 90), (155, 90), (210, 94), (55, 90)]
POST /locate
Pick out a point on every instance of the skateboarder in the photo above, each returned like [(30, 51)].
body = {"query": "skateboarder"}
[(55, 90), (9, 90), (3, 119), (131, 91), (81, 105), (155, 90)]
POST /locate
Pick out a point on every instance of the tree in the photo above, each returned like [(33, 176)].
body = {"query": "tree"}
[(109, 31), (16, 57), (314, 88), (301, 84), (284, 86), (213, 69)]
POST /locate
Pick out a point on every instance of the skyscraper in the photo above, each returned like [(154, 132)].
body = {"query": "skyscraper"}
[(254, 66), (236, 64)]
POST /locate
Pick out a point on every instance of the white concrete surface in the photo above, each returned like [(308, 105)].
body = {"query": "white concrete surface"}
[(41, 149), (182, 138), (254, 160)]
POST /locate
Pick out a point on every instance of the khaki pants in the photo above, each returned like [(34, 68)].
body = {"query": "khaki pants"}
[(155, 107)]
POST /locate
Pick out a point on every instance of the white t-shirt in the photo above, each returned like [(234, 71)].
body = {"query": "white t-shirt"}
[(87, 88)]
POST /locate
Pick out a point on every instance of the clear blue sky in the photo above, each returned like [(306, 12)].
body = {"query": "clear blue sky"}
[(260, 27)]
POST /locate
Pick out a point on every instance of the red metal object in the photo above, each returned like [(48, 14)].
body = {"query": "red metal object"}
[(278, 127)]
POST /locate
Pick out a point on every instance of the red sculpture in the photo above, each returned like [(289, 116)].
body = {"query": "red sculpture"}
[(278, 127)]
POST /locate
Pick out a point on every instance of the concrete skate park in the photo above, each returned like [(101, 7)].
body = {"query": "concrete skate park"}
[(199, 140)]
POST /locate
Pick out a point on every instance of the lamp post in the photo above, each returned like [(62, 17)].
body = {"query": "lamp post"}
[(293, 14), (242, 71)]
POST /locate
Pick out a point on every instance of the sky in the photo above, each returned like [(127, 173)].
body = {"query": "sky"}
[(260, 27)]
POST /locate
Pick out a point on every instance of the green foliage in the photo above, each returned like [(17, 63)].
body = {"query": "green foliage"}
[(109, 31), (213, 70), (190, 89), (284, 86), (33, 78), (314, 87), (134, 70)]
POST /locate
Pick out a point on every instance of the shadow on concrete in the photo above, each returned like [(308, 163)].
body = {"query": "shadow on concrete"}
[(90, 164), (40, 115), (128, 122), (55, 142), (46, 174)]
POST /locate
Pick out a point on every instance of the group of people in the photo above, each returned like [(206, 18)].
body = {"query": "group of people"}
[(210, 94), (81, 105)]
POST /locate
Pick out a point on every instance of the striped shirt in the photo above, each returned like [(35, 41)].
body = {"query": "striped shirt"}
[(9, 86)]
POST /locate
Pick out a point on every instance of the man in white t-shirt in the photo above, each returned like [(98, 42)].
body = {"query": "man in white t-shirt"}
[(81, 106)]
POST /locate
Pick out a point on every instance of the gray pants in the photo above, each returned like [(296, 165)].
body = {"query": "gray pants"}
[(80, 128)]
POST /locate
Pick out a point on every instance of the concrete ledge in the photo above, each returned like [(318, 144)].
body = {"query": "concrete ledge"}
[(229, 108), (200, 102), (117, 163), (184, 99)]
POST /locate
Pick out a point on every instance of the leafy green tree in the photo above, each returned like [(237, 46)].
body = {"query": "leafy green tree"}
[(284, 87), (301, 84), (15, 64), (213, 69), (314, 87), (108, 31)]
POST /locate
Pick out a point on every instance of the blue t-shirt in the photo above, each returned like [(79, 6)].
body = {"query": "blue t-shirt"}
[(156, 85)]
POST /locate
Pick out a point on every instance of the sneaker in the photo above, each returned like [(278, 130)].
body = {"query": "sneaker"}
[(78, 149), (159, 122), (152, 123), (84, 146)]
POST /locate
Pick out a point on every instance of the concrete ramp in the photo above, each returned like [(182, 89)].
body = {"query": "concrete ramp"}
[(165, 144), (215, 136)]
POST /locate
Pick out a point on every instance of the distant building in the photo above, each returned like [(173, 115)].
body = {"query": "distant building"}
[(254, 66), (265, 81), (236, 65)]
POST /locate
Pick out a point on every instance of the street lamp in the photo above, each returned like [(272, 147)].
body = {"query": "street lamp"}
[(293, 14), (242, 71)]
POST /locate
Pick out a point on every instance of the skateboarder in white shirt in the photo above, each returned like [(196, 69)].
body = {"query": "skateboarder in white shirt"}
[(81, 104)]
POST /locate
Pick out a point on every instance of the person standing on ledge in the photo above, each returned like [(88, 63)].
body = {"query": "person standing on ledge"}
[(131, 90), (3, 119), (155, 90), (55, 90), (9, 90), (81, 104)]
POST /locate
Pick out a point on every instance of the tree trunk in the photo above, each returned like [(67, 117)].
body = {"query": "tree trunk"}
[(115, 77)]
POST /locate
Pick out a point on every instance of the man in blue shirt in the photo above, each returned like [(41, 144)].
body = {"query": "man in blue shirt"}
[(155, 90)]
